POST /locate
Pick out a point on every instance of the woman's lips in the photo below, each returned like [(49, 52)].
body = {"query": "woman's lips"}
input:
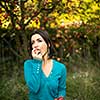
[(37, 50)]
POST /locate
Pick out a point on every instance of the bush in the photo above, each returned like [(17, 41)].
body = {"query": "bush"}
[(80, 86), (83, 81), (13, 89)]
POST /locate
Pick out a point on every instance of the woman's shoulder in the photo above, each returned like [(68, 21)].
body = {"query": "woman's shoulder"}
[(58, 63), (28, 61), (32, 61)]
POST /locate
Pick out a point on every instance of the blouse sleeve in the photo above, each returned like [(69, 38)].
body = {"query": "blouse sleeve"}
[(62, 83), (32, 77)]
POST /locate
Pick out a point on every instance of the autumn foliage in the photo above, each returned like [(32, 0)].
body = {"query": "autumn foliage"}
[(74, 27)]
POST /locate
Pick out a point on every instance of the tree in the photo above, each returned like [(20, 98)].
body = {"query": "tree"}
[(20, 13), (20, 16)]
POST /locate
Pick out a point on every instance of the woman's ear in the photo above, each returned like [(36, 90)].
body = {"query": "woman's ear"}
[(49, 45)]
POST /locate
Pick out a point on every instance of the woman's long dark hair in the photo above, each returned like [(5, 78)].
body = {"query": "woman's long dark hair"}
[(44, 34)]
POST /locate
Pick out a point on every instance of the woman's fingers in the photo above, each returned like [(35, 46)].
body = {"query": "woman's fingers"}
[(36, 54)]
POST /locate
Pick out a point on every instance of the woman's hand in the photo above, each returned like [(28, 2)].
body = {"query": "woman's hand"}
[(36, 54), (60, 98)]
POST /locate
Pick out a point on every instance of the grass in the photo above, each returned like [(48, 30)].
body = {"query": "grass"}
[(83, 82)]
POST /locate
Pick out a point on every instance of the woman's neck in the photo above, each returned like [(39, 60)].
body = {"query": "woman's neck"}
[(46, 60)]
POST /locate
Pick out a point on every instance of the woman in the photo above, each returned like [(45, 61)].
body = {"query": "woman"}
[(44, 76)]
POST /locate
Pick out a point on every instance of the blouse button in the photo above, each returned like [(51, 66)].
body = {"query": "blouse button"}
[(37, 72), (38, 67)]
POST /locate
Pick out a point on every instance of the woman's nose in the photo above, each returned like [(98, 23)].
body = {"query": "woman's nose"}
[(35, 45)]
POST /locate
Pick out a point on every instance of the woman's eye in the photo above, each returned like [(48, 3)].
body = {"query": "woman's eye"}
[(32, 42), (39, 40)]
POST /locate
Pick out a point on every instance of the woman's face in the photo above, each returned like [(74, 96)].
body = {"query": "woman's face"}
[(38, 44)]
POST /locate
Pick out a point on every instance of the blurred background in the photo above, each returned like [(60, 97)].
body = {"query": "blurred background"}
[(74, 27)]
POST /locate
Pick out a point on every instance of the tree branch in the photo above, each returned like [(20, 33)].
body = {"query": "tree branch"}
[(12, 50)]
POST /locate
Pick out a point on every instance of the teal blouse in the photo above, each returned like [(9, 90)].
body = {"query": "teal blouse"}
[(42, 87)]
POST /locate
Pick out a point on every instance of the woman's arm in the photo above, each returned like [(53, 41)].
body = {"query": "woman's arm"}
[(62, 84), (32, 78)]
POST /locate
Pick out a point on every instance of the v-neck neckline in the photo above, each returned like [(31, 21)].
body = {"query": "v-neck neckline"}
[(47, 76)]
